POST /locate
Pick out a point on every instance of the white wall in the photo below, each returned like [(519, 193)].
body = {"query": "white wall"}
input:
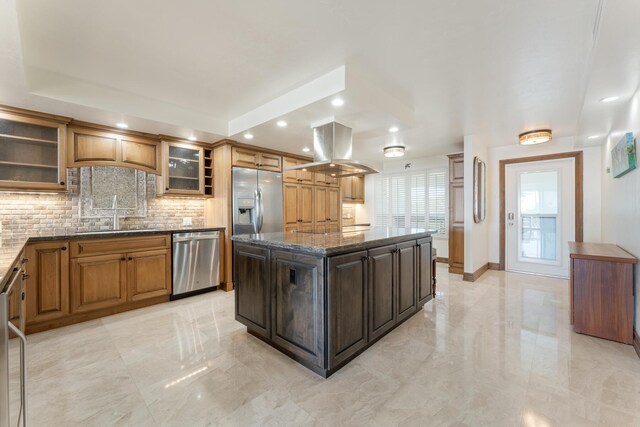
[(592, 187), (476, 236), (621, 196), (364, 213)]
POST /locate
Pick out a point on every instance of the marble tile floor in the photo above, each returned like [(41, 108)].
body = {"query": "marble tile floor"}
[(498, 352)]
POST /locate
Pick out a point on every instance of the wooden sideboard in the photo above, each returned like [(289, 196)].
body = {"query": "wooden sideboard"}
[(601, 287)]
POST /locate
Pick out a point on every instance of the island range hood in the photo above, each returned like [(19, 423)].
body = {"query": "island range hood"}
[(332, 153)]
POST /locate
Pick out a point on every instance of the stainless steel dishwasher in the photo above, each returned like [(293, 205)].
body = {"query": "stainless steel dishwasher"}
[(196, 263)]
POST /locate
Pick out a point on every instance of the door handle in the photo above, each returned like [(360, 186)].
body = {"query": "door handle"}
[(23, 370), (511, 216)]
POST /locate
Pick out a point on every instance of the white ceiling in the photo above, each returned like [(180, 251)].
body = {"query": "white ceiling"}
[(437, 69)]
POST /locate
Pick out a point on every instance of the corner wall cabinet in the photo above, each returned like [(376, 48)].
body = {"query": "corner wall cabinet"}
[(32, 151), (456, 213), (352, 189), (95, 145)]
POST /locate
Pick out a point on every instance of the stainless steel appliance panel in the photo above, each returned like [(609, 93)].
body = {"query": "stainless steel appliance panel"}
[(257, 201), (270, 197), (196, 261)]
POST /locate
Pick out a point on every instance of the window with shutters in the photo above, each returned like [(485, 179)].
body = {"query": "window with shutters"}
[(414, 199)]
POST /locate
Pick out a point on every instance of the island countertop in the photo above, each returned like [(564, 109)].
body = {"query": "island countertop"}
[(325, 244)]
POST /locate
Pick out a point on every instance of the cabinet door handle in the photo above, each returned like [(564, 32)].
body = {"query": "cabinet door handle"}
[(25, 276), (123, 259), (61, 182), (130, 258), (64, 248)]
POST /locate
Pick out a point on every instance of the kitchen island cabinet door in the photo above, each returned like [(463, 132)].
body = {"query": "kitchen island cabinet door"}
[(425, 275), (148, 274), (47, 287), (406, 279), (98, 282), (347, 306), (382, 290), (297, 301), (253, 296)]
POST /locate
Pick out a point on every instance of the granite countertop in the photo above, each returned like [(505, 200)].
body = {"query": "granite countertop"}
[(9, 253), (333, 243)]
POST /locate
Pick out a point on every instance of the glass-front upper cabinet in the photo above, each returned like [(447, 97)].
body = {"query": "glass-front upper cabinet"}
[(187, 169), (32, 152)]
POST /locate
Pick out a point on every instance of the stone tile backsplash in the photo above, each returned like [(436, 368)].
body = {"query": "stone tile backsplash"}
[(28, 214)]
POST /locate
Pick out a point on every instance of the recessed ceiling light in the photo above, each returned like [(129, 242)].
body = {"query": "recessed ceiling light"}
[(281, 124), (122, 125), (535, 137), (248, 135), (192, 138), (333, 174), (331, 165), (394, 151), (593, 136), (337, 102), (306, 149), (610, 99), (393, 129)]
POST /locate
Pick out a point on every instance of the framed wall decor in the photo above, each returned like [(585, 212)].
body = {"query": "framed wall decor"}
[(479, 190), (623, 155)]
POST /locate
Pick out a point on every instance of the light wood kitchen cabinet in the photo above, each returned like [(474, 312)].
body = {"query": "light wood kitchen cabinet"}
[(148, 274), (298, 207), (326, 205), (456, 213), (32, 151), (248, 158), (77, 280), (326, 180), (95, 145), (352, 189), (183, 170), (47, 285), (296, 176), (98, 282)]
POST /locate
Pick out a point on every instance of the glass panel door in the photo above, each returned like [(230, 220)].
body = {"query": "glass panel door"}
[(540, 216), (28, 152), (184, 168)]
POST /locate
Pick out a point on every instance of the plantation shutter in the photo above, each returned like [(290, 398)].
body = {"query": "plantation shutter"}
[(418, 200), (437, 201)]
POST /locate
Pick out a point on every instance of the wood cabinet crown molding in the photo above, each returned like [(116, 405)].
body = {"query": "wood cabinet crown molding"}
[(35, 114)]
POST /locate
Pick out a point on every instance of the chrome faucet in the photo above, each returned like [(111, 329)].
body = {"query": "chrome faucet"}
[(116, 220)]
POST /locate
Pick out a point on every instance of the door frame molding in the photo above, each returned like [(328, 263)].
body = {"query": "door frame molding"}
[(579, 211)]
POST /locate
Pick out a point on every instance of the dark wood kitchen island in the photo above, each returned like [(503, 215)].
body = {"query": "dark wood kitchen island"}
[(322, 299)]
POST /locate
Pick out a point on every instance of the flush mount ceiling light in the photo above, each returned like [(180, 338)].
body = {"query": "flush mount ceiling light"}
[(281, 124), (122, 125), (248, 135), (393, 129), (337, 102), (535, 137), (306, 149), (394, 151), (610, 99)]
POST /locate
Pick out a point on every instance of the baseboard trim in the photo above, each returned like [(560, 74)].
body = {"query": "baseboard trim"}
[(472, 277), (494, 266), (636, 341), (441, 259)]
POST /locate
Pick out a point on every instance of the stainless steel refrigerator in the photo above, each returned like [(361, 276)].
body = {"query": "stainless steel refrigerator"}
[(257, 201)]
